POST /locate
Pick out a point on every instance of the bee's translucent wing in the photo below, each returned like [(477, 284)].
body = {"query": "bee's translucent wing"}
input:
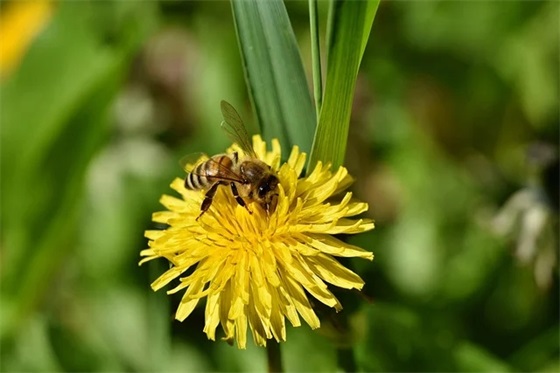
[(190, 161), (233, 125)]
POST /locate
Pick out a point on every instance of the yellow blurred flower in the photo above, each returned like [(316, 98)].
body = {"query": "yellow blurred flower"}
[(257, 271), (20, 22)]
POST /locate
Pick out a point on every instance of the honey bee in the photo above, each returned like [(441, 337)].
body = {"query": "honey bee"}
[(249, 178)]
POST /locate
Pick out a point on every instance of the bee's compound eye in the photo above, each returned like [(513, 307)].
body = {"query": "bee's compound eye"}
[(262, 190)]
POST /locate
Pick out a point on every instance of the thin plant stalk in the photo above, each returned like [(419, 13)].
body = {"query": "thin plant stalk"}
[(316, 56), (274, 357)]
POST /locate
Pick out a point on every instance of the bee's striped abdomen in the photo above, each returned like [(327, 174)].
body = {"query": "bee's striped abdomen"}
[(193, 179), (207, 173)]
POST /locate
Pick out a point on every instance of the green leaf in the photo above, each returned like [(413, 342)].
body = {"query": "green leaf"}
[(274, 72), (348, 32), (316, 56)]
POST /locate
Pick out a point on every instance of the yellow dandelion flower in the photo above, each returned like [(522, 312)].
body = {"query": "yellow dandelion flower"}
[(254, 270)]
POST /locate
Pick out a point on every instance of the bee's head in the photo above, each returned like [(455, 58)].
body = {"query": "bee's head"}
[(267, 193)]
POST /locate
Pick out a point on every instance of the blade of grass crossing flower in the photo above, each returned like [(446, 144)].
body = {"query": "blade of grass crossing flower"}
[(274, 72), (348, 32)]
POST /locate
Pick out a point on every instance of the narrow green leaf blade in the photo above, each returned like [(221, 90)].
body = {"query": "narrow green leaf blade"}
[(274, 72), (349, 29), (316, 56)]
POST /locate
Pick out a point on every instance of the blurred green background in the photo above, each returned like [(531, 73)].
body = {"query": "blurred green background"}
[(453, 142)]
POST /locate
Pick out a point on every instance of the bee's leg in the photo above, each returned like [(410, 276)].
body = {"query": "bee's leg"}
[(270, 205), (238, 198), (208, 198)]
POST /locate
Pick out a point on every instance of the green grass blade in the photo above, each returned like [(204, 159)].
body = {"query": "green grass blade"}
[(348, 32), (316, 56), (274, 72)]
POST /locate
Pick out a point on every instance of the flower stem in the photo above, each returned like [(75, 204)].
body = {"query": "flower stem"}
[(346, 360), (316, 56), (274, 357)]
